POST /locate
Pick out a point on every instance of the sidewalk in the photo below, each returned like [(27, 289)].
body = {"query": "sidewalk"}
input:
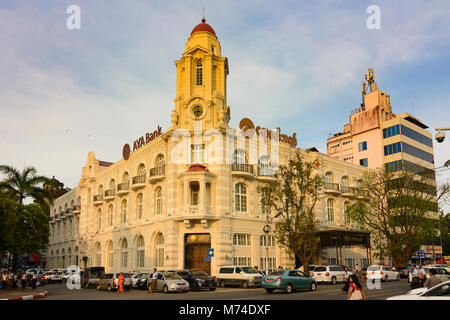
[(19, 294)]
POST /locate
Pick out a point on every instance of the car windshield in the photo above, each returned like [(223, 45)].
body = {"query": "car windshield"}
[(172, 276), (144, 275), (199, 274), (125, 275), (320, 269), (373, 269), (108, 276), (248, 270), (276, 272)]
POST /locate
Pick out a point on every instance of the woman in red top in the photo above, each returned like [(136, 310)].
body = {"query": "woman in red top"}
[(121, 282), (355, 290)]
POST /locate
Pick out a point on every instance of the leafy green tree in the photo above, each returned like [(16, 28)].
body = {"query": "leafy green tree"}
[(8, 221), (400, 210), (445, 233), (294, 195), (26, 184)]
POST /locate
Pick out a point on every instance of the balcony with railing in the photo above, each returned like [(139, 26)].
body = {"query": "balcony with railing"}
[(138, 182), (267, 173), (331, 187), (242, 170), (123, 188), (98, 199), (110, 194), (348, 191), (69, 212), (157, 174), (76, 209)]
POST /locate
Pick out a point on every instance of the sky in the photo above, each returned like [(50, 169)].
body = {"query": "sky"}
[(297, 65)]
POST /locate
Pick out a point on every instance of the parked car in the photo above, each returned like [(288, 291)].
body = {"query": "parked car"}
[(198, 279), (404, 271), (383, 273), (91, 276), (32, 271), (52, 277), (169, 282), (439, 292), (331, 274), (238, 275), (110, 281), (135, 278), (143, 281), (289, 281)]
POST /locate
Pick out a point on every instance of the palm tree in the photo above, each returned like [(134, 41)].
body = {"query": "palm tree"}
[(26, 184)]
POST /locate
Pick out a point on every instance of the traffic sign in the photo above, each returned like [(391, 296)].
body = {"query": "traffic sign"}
[(211, 252)]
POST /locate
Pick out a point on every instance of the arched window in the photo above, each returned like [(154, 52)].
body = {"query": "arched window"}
[(110, 251), (199, 74), (328, 177), (239, 157), (98, 254), (241, 197), (141, 170), (99, 219), (124, 211), (140, 206), (124, 253), (346, 216), (158, 197), (63, 258), (140, 252), (330, 210), (69, 256), (159, 246), (111, 214), (112, 184), (344, 184), (125, 178), (100, 190), (160, 165)]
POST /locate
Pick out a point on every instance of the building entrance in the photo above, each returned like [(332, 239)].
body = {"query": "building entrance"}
[(196, 247)]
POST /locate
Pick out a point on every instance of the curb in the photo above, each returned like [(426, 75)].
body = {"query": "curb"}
[(30, 297)]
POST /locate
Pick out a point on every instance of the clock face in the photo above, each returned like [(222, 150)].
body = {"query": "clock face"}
[(197, 111)]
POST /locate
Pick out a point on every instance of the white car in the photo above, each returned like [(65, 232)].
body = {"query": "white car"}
[(53, 277), (382, 273), (439, 292), (332, 274), (238, 275)]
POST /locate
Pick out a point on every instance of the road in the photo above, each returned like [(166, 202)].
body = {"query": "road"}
[(324, 292)]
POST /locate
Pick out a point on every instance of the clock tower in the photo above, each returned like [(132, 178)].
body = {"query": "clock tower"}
[(201, 82)]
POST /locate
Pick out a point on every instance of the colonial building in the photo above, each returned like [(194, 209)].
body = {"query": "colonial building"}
[(178, 193)]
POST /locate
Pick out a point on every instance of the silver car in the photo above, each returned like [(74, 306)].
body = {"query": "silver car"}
[(110, 281), (170, 282)]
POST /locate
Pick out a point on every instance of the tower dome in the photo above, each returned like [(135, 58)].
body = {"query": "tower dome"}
[(203, 27)]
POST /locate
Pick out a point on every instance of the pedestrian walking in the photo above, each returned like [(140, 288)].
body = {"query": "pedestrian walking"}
[(34, 281), (355, 290), (154, 280), (415, 277), (23, 279), (5, 280), (432, 280), (15, 277), (422, 275), (346, 280), (121, 283), (358, 271)]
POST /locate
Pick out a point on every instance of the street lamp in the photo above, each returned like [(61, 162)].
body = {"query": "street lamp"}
[(266, 229)]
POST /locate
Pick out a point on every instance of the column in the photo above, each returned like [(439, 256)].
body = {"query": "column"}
[(202, 200)]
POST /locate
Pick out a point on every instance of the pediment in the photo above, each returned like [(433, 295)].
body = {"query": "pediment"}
[(197, 50)]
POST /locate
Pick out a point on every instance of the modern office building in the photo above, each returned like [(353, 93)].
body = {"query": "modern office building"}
[(180, 192), (375, 136)]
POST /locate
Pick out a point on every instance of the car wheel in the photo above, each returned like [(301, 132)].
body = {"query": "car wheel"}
[(288, 288), (245, 285), (333, 280), (313, 286), (212, 289), (386, 278), (109, 288), (398, 277), (269, 290), (222, 284), (166, 289)]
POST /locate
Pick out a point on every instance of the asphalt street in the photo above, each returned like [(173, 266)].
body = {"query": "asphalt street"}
[(324, 292)]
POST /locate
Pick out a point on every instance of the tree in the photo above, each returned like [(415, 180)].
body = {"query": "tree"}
[(8, 220), (400, 210), (26, 184), (445, 233), (295, 194)]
